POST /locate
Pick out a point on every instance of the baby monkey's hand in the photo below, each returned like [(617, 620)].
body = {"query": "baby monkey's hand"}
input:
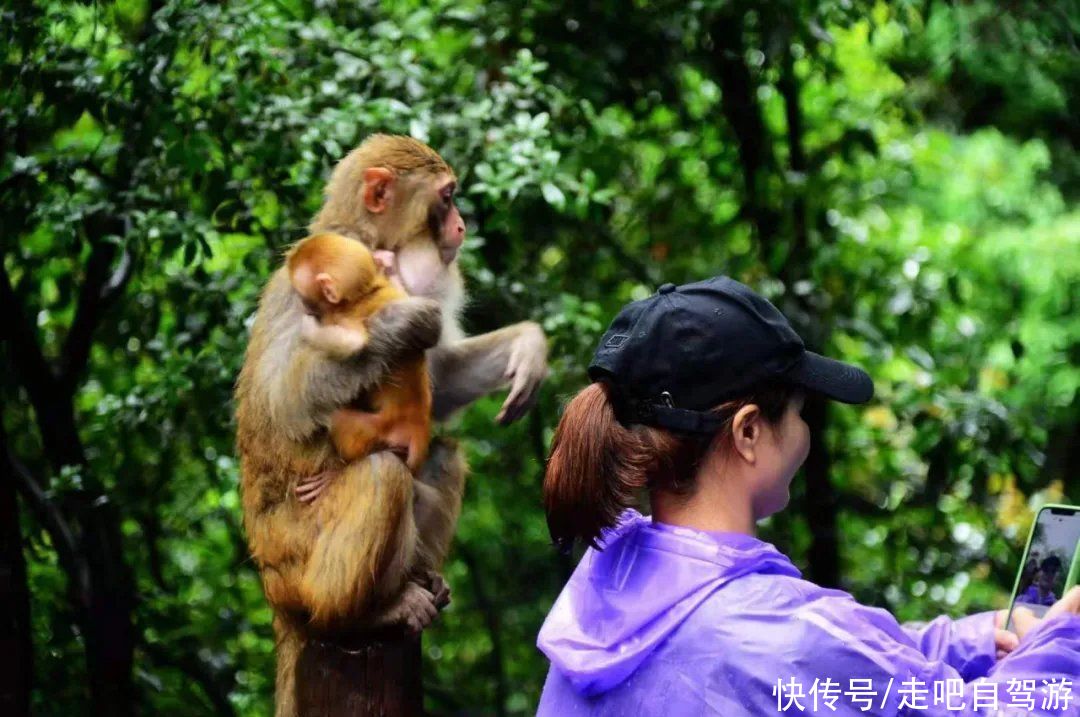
[(311, 487)]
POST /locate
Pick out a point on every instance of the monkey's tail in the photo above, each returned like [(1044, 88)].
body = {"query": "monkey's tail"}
[(289, 645)]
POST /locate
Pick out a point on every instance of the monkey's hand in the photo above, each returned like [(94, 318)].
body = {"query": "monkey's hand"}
[(405, 326), (337, 342), (526, 370), (414, 609), (311, 487)]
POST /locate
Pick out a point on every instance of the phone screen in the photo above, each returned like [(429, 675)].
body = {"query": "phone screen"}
[(1048, 560)]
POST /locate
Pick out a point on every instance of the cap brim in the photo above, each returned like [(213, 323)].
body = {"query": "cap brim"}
[(835, 379)]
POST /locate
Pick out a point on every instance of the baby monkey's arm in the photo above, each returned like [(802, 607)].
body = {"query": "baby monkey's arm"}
[(335, 341)]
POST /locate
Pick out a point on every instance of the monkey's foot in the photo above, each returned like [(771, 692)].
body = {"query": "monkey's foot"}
[(415, 609), (440, 589)]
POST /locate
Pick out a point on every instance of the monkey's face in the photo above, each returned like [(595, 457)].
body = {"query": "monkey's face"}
[(412, 206), (428, 241), (444, 222)]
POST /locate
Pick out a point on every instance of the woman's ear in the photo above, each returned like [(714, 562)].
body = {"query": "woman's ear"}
[(746, 432)]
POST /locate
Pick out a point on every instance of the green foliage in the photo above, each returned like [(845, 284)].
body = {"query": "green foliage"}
[(896, 180)]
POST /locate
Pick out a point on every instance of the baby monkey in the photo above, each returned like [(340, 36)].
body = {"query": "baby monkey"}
[(342, 283)]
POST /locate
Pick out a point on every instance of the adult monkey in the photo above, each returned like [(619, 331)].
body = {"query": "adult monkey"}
[(365, 553)]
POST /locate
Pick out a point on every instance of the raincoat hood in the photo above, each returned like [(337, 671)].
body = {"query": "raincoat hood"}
[(624, 600)]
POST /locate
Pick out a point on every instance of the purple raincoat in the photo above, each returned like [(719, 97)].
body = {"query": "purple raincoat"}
[(672, 621)]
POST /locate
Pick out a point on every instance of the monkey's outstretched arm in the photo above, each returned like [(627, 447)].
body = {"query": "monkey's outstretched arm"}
[(465, 370)]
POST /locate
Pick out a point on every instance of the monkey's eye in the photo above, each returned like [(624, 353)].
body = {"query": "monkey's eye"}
[(447, 194)]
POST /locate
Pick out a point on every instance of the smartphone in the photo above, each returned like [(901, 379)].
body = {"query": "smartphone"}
[(1051, 560)]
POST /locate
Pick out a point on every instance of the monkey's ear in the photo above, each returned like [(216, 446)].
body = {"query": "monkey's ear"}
[(328, 287), (378, 186)]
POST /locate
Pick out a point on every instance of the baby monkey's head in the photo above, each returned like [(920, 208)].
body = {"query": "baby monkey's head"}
[(332, 272)]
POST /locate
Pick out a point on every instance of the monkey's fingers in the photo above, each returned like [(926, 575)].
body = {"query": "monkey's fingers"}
[(511, 406), (310, 488), (518, 400), (417, 608), (429, 612), (514, 362), (308, 496), (315, 482), (317, 478), (526, 369), (529, 399), (442, 598), (439, 588)]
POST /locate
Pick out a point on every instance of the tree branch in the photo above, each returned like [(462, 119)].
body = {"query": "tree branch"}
[(30, 363), (738, 102), (53, 409), (789, 90), (119, 278), (101, 283), (50, 517)]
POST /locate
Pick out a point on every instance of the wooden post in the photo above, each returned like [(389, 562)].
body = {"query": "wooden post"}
[(360, 677)]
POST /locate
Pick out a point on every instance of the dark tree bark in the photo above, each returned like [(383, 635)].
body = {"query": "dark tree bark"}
[(83, 524), (85, 528), (821, 503), (15, 638), (738, 102), (788, 85), (370, 677), (757, 159)]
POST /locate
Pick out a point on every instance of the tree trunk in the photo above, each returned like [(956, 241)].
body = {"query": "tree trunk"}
[(110, 633), (823, 558), (739, 105), (367, 677), (15, 641)]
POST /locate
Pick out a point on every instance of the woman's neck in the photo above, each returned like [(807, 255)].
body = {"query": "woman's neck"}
[(705, 510)]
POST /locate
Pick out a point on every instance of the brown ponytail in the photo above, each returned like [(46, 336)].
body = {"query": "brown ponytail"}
[(597, 465)]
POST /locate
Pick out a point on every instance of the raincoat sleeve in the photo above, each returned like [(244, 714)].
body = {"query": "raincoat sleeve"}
[(850, 641), (966, 644)]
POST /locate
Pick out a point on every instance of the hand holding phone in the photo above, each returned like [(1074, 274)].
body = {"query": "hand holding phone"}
[(1069, 603), (1022, 620), (1048, 570)]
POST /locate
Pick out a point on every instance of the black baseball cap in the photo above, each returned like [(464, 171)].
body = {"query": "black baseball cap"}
[(678, 353)]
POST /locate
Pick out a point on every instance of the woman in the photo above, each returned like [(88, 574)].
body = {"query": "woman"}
[(696, 398), (1041, 590)]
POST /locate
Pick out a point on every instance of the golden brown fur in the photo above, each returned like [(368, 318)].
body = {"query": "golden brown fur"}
[(340, 563), (413, 163), (364, 553), (338, 279)]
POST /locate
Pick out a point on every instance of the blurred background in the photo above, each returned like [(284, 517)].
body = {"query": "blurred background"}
[(899, 178)]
